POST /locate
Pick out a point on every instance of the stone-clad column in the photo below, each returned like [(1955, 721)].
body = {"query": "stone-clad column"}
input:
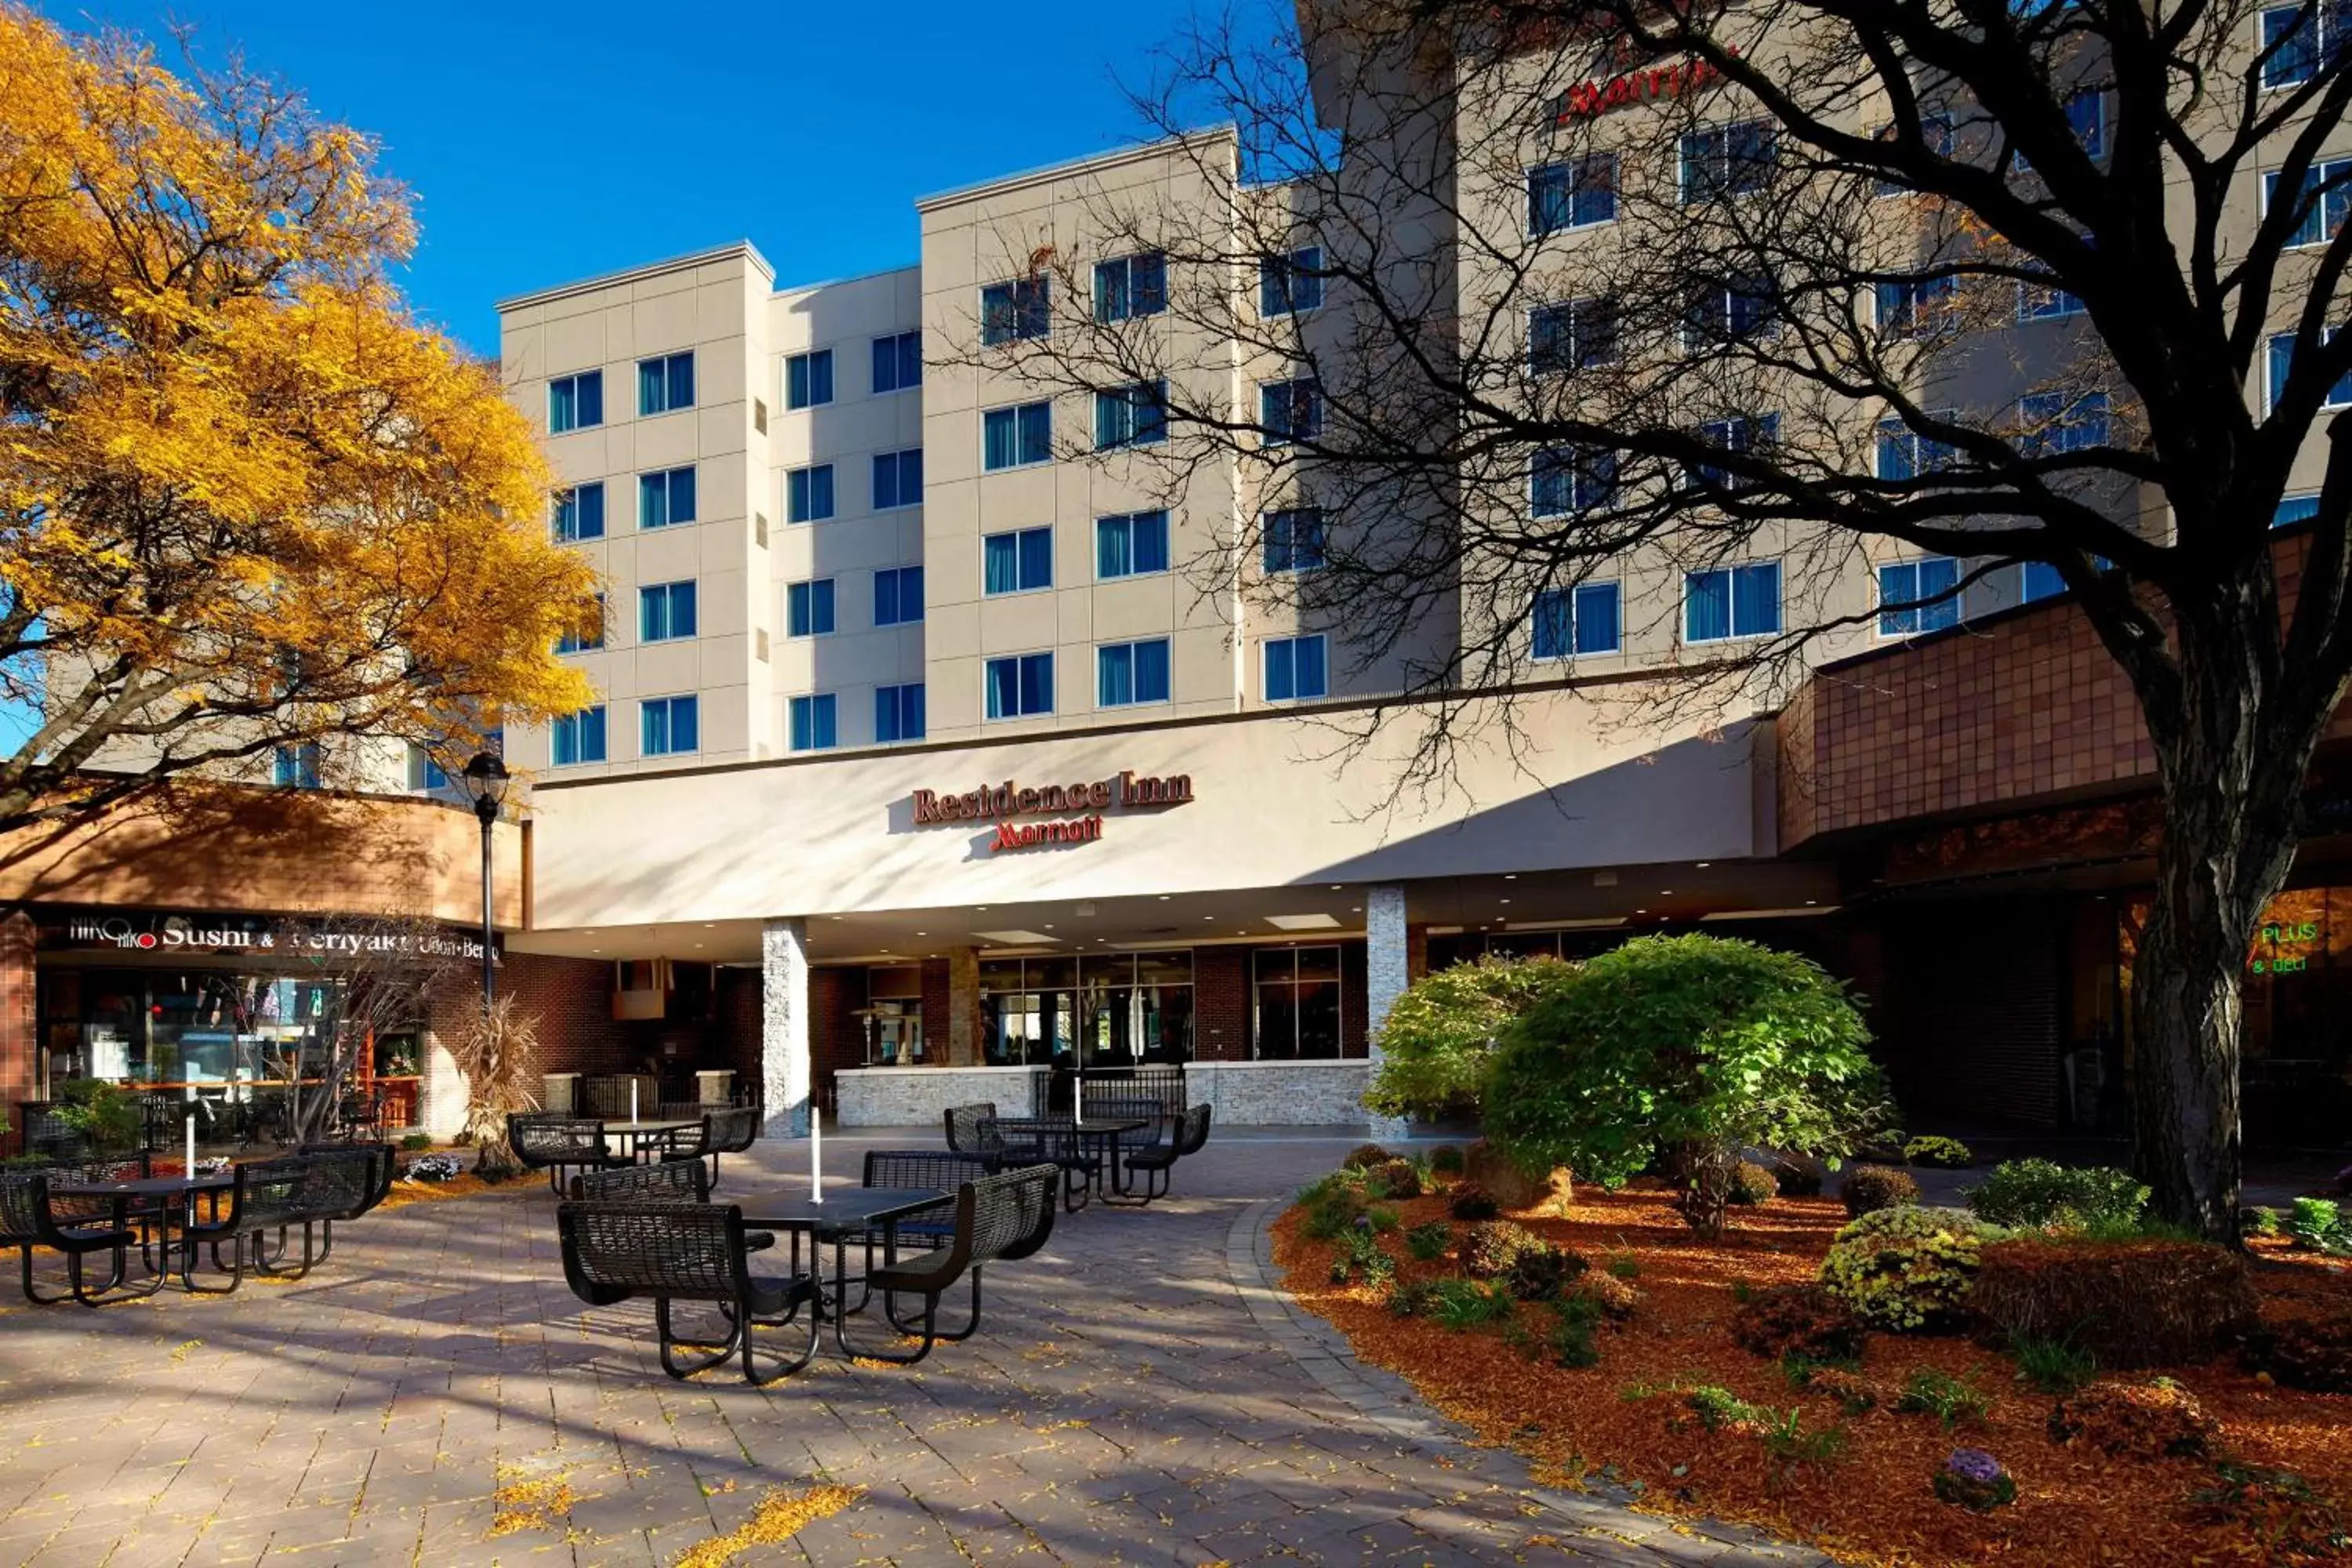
[(1388, 970), (961, 1048), (784, 1027)]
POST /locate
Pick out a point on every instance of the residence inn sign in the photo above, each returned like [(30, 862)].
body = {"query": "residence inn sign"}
[(999, 803)]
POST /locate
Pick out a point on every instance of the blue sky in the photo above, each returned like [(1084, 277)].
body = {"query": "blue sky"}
[(548, 142)]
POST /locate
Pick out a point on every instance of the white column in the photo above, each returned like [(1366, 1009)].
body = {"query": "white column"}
[(443, 1096), (785, 1079), (1388, 970)]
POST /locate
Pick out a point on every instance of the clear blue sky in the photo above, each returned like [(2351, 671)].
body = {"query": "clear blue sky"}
[(547, 143)]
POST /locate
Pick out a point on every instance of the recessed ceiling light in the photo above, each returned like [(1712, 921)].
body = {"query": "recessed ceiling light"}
[(1510, 876), (923, 933), (1165, 897), (697, 944), (1506, 900), (1208, 917), (1666, 892), (1703, 865), (837, 917), (980, 909), (1355, 908), (1641, 911), (1810, 902), (1049, 925), (1336, 886)]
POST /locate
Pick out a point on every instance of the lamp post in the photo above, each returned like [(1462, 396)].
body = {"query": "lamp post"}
[(486, 784)]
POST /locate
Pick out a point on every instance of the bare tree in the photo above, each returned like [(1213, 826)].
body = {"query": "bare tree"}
[(497, 1050), (386, 973), (1523, 297)]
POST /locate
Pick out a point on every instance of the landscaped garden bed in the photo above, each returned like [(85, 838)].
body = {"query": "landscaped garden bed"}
[(2207, 1462)]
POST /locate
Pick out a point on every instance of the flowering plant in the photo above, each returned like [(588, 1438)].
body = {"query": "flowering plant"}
[(433, 1168), (213, 1165), (1975, 1480)]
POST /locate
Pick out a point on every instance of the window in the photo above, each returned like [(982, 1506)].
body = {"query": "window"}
[(1010, 437), (812, 723), (1020, 686), (2282, 361), (1935, 131), (587, 641), (808, 608), (1572, 194), (1290, 411), (666, 612), (897, 595), (1127, 673), (1725, 310), (296, 767), (424, 772), (579, 737), (2322, 204), (1010, 312), (1296, 669), (2294, 509), (1578, 335), (2040, 580), (808, 494), (1289, 284), (1728, 161), (898, 362), (580, 513), (666, 497), (2045, 302), (2053, 422), (1131, 416), (898, 713), (2298, 39), (668, 726), (1295, 998), (1016, 562), (1567, 479), (1295, 541), (1131, 545), (575, 402), (1583, 620), (1918, 596), (2086, 117), (897, 478), (1740, 435), (1912, 307), (666, 383), (808, 379), (1732, 602), (1131, 286), (1904, 453)]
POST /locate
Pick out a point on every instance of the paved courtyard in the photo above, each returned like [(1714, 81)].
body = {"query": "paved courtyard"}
[(1136, 1395)]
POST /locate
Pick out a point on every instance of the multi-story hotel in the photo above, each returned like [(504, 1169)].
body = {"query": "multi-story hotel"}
[(941, 740)]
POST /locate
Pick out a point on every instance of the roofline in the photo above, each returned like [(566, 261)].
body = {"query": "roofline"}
[(1095, 164), (782, 289), (742, 249)]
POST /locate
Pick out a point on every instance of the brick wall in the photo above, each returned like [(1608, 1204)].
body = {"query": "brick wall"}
[(2024, 705), (1220, 1003), (20, 1041), (573, 999), (834, 1041), (938, 1003), (736, 1012)]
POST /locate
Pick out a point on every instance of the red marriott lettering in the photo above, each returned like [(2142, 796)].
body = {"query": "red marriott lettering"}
[(1030, 835), (1595, 98)]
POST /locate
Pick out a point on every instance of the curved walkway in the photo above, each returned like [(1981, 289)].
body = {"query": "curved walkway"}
[(1140, 1393)]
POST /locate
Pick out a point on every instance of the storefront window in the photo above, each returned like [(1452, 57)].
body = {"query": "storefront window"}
[(1118, 1010), (893, 1018), (1295, 1015), (158, 1026)]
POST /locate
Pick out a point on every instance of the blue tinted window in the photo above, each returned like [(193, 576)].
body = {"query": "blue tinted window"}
[(668, 726), (2040, 581), (897, 595), (808, 379), (2282, 361), (1012, 563), (1732, 602), (1290, 411), (2053, 422), (665, 611), (1578, 335), (1568, 479), (812, 723), (1583, 620), (898, 362), (666, 497), (2295, 509), (1572, 195), (583, 642), (666, 383), (579, 737), (1020, 686), (1131, 416), (1293, 540), (1906, 589), (898, 713), (1131, 672), (580, 513), (1130, 286), (1131, 545), (575, 402), (1290, 283), (1010, 311), (897, 478), (808, 608), (1012, 437), (298, 766), (1296, 669), (1728, 161), (808, 494)]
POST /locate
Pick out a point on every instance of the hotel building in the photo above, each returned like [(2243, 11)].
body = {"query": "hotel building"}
[(934, 750)]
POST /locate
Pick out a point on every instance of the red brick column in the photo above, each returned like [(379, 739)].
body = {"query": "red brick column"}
[(1220, 1003), (20, 1031)]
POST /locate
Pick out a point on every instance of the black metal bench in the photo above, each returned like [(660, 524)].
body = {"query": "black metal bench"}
[(544, 1140), (312, 1191), (32, 1216), (721, 1130), (1158, 1161), (1001, 1216), (683, 1252)]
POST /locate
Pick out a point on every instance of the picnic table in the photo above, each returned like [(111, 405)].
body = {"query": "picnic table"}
[(1091, 1146), (841, 1215)]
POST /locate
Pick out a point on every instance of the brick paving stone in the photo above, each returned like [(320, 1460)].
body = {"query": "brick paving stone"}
[(1139, 1393)]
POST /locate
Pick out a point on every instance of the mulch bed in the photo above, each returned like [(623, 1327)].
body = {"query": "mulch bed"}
[(1871, 1503)]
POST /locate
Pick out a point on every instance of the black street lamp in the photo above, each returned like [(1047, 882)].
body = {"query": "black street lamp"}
[(485, 784)]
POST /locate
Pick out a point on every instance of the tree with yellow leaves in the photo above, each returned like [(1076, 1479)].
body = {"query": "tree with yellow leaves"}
[(247, 500)]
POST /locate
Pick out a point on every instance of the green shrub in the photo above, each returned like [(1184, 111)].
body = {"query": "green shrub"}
[(1395, 1179), (1472, 1202), (1331, 1206), (1870, 1188), (1718, 1407), (1855, 1393), (1429, 1242), (1788, 1443), (1949, 1399), (1491, 1248), (1689, 1048), (1610, 1296), (1461, 1304), (1751, 1184), (1438, 1039), (1623, 1266), (2053, 1366), (1905, 1268), (2139, 1302), (2293, 1523), (416, 1141), (2259, 1222), (2037, 1195), (1446, 1160), (1362, 1257), (2319, 1224), (1573, 1341), (1540, 1272), (2313, 1353), (1364, 1156), (2158, 1420), (1802, 1320), (1382, 1218), (1412, 1297), (1941, 1154), (102, 1112)]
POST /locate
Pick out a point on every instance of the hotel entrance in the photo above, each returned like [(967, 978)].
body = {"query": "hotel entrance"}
[(1118, 1010)]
